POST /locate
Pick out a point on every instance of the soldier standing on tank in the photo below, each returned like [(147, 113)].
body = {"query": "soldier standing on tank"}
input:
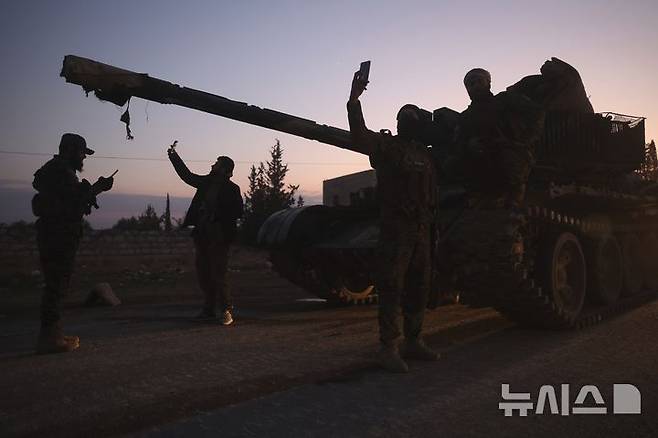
[(407, 190), (497, 135), (215, 208), (60, 204)]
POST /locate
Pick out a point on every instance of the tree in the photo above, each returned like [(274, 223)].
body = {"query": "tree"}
[(277, 195), (19, 228), (148, 220), (649, 168), (267, 192), (166, 217), (257, 193)]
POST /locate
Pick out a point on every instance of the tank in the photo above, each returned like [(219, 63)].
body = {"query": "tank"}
[(585, 245)]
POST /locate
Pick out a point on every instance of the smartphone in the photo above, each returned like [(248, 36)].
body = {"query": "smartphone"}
[(364, 70)]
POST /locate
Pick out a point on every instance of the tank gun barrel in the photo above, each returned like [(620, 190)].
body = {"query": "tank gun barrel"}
[(117, 85)]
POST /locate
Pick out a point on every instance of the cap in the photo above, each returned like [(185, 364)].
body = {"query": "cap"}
[(477, 72), (76, 141), (226, 162)]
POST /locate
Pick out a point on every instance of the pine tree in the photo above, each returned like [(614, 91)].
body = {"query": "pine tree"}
[(649, 168), (149, 220), (257, 193), (166, 218), (267, 192), (278, 197)]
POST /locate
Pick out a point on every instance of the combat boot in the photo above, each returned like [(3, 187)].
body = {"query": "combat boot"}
[(415, 348), (51, 340), (227, 317), (389, 359)]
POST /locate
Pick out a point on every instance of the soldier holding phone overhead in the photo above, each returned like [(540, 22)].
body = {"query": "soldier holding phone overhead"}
[(215, 208), (407, 189)]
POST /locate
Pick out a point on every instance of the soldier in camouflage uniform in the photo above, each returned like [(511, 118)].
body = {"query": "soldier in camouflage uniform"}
[(407, 190), (496, 136), (60, 204)]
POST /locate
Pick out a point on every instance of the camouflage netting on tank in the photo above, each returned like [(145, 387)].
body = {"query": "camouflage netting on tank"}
[(631, 121)]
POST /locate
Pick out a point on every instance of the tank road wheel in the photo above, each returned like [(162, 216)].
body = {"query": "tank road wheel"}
[(297, 272), (348, 275), (355, 291), (631, 250), (567, 278), (606, 270)]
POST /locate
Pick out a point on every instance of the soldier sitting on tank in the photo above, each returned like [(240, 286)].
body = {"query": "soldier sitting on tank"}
[(496, 137), (558, 88), (60, 204), (407, 190), (215, 208)]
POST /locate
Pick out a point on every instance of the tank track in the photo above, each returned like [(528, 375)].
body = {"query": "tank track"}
[(496, 272), (373, 298), (494, 252)]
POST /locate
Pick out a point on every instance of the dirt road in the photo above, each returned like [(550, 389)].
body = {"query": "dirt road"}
[(144, 363)]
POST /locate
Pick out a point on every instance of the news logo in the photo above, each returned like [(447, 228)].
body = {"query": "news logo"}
[(626, 399)]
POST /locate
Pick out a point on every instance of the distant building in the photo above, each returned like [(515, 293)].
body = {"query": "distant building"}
[(355, 189)]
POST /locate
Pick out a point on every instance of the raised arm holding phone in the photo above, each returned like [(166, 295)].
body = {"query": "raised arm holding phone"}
[(215, 208), (406, 185)]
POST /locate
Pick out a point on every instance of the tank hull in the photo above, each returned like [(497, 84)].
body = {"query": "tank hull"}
[(585, 245)]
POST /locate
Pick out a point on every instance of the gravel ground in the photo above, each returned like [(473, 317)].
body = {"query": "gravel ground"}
[(144, 363)]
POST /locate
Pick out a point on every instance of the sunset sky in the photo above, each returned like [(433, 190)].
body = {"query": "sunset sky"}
[(297, 57)]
